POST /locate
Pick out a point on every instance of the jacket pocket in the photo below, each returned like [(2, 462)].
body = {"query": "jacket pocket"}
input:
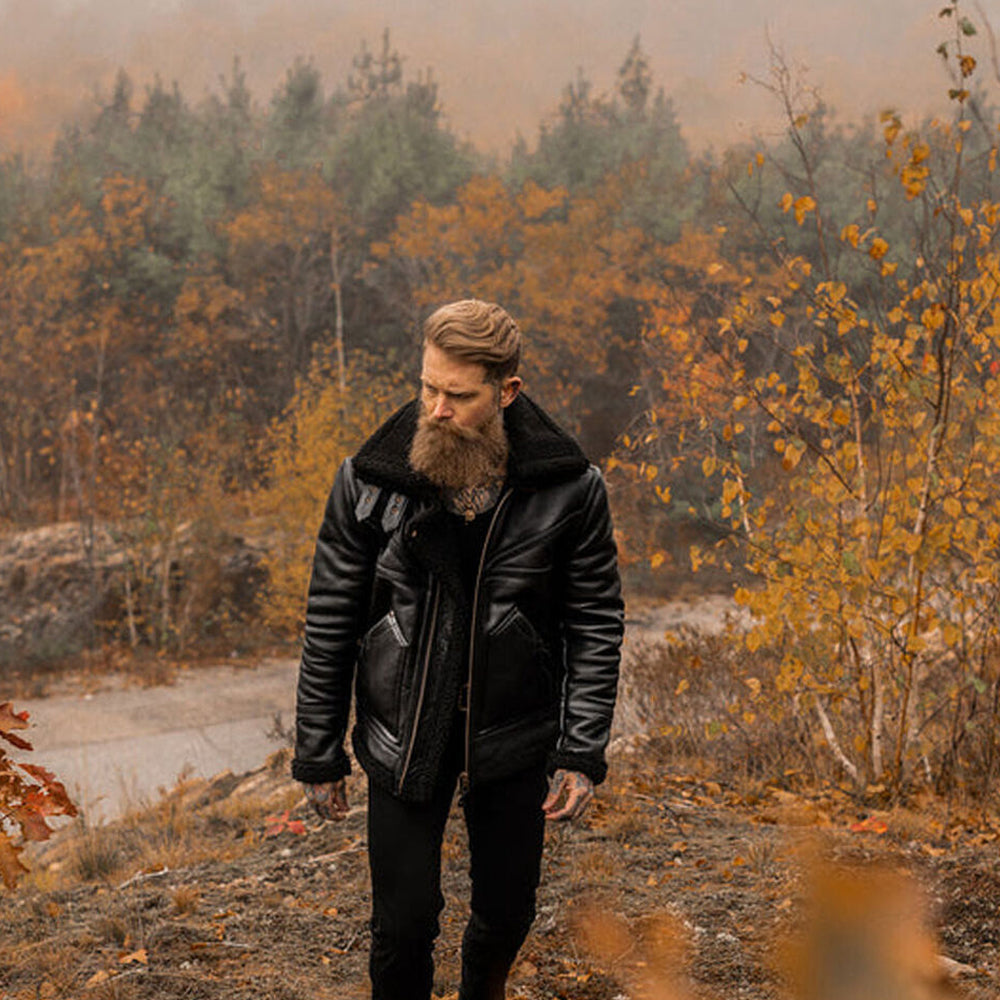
[(517, 678), (382, 666)]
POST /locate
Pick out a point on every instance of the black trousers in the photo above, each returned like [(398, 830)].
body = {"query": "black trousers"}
[(506, 831)]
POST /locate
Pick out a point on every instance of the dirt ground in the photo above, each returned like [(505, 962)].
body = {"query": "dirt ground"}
[(671, 886)]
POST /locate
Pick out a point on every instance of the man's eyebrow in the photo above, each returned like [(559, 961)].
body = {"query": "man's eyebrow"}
[(428, 384)]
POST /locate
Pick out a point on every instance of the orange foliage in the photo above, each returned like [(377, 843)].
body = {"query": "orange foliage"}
[(28, 796), (321, 427), (557, 262)]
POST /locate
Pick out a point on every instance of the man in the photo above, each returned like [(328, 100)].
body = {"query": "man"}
[(465, 580)]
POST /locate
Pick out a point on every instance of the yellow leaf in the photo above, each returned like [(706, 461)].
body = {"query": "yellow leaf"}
[(952, 507), (878, 249), (777, 318), (708, 465), (802, 206), (682, 686), (787, 201), (657, 560), (791, 458)]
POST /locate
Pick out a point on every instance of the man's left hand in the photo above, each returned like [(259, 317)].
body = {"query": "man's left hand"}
[(569, 794)]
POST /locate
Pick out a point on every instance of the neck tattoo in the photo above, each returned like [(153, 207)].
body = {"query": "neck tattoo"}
[(469, 501)]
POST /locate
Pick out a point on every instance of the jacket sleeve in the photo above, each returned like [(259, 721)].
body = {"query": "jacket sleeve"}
[(593, 625), (336, 611)]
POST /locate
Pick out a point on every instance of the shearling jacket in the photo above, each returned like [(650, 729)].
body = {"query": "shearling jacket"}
[(533, 649)]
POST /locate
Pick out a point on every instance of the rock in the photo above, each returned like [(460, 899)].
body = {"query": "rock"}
[(64, 585)]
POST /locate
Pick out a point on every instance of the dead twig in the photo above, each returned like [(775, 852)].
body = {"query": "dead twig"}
[(143, 876)]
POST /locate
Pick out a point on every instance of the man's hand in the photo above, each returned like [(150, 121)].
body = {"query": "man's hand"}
[(569, 794), (329, 799)]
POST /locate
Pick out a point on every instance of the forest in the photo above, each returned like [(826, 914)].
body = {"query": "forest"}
[(783, 354)]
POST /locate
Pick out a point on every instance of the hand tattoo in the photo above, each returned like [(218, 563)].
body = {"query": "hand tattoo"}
[(574, 790), (328, 799)]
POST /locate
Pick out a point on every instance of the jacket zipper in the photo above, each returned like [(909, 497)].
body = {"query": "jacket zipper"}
[(423, 684), (463, 778)]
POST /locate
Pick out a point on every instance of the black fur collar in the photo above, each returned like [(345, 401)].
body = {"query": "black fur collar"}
[(541, 452)]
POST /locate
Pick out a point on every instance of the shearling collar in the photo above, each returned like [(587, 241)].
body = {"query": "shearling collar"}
[(541, 453)]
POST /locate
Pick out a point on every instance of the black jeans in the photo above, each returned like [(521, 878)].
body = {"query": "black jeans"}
[(506, 830)]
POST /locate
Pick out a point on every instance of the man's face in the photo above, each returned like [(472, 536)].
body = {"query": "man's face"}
[(456, 393), (460, 440)]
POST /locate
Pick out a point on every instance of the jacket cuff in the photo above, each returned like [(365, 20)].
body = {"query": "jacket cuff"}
[(319, 773), (592, 765)]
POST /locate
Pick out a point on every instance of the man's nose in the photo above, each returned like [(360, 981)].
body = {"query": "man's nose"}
[(441, 411)]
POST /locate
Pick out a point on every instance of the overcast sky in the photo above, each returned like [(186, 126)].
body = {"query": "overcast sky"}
[(500, 64)]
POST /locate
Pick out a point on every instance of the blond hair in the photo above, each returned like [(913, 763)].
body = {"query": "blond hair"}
[(477, 331)]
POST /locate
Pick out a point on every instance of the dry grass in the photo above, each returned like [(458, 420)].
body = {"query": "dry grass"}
[(705, 706), (196, 821)]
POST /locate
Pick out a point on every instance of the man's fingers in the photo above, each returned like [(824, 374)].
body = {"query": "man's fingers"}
[(339, 801), (329, 799), (576, 802), (578, 790)]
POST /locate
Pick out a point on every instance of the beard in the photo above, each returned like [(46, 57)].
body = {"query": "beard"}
[(454, 457)]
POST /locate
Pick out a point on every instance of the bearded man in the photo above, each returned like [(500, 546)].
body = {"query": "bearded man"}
[(465, 583)]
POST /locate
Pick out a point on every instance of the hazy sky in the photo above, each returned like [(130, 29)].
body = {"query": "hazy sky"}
[(500, 64)]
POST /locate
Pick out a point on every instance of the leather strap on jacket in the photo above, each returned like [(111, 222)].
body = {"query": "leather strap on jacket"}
[(392, 507)]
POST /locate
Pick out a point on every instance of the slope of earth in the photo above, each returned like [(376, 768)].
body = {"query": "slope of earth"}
[(671, 886)]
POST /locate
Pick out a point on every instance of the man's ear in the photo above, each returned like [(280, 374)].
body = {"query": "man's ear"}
[(509, 390)]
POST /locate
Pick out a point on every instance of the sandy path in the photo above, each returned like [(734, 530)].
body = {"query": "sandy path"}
[(116, 748)]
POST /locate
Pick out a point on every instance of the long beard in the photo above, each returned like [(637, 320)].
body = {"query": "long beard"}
[(456, 457)]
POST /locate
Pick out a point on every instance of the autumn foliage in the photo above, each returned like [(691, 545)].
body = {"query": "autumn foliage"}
[(790, 347), (872, 543), (29, 795)]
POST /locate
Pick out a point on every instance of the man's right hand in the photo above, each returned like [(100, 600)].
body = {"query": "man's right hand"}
[(328, 799)]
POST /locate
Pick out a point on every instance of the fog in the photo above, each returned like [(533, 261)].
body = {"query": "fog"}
[(500, 64)]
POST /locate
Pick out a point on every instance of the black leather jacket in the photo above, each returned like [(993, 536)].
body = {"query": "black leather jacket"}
[(537, 641)]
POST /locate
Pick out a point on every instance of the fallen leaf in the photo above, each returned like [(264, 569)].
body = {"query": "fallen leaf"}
[(134, 957), (279, 824), (869, 825), (9, 719)]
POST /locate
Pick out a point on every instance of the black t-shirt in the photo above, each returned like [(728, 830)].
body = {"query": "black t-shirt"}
[(471, 539)]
